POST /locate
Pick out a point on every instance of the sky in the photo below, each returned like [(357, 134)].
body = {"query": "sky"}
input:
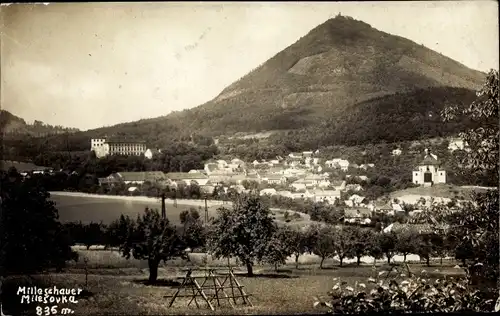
[(88, 65)]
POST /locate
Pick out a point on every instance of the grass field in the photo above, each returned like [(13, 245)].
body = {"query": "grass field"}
[(117, 286)]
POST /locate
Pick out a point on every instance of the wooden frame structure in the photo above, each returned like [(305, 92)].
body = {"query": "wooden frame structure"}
[(212, 289)]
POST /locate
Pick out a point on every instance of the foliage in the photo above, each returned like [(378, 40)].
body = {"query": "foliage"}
[(359, 241), (405, 242), (243, 232), (154, 239), (87, 234), (323, 240), (278, 248), (475, 224), (387, 244), (474, 230), (296, 242), (31, 237), (193, 231), (118, 231), (483, 140), (343, 243), (406, 295)]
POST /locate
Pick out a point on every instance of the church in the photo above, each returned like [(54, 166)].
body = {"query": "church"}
[(429, 171)]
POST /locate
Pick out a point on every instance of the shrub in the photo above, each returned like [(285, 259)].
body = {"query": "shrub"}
[(408, 295)]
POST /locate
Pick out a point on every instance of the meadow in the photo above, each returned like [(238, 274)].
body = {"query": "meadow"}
[(115, 285)]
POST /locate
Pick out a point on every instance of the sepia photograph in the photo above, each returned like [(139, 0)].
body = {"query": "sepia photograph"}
[(249, 158)]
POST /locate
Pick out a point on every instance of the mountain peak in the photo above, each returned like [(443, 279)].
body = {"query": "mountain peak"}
[(337, 69)]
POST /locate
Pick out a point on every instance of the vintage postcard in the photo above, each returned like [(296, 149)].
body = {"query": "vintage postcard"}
[(176, 158)]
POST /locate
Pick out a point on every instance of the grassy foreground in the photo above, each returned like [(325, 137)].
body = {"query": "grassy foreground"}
[(116, 286)]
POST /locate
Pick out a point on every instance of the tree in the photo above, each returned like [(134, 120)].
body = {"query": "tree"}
[(359, 240), (193, 233), (343, 243), (324, 245), (243, 232), (118, 231), (31, 238), (374, 248), (296, 242), (476, 224), (154, 239), (483, 138), (424, 247), (93, 234), (405, 242), (387, 243), (278, 249)]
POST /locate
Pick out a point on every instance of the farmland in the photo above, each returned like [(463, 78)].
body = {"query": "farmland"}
[(117, 285)]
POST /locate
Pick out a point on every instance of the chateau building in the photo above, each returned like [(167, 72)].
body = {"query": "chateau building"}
[(103, 147), (429, 171)]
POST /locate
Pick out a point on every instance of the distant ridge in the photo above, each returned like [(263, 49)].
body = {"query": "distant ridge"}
[(338, 72)]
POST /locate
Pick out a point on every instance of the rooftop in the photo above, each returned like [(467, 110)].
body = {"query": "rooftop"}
[(142, 176)]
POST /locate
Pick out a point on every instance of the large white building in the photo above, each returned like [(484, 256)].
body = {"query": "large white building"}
[(103, 147), (429, 171)]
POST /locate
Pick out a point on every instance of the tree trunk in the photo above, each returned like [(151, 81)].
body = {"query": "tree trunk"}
[(388, 259), (441, 259), (341, 260), (321, 263), (249, 268), (276, 267), (153, 270), (88, 247), (296, 261), (359, 261), (427, 260), (404, 257)]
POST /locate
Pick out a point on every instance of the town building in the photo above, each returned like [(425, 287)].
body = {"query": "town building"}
[(429, 171), (104, 147), (135, 177), (457, 144)]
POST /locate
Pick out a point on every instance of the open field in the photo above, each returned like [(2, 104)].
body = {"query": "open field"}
[(115, 288), (75, 206), (440, 193)]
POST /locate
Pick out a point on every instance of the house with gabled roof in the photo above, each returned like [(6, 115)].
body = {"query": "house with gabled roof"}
[(315, 178), (211, 167), (429, 171), (302, 195), (295, 155), (267, 192), (273, 178)]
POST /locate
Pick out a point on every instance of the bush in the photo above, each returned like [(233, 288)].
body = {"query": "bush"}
[(408, 295)]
